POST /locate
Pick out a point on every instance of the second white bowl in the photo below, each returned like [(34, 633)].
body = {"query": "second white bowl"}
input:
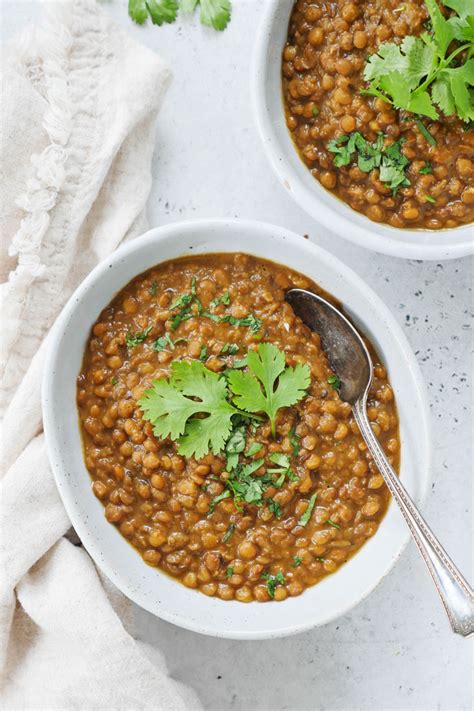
[(294, 176)]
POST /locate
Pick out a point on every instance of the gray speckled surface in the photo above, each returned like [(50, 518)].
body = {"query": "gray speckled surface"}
[(395, 650)]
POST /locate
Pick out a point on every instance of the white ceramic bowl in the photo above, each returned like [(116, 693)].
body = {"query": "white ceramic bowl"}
[(322, 205), (149, 587)]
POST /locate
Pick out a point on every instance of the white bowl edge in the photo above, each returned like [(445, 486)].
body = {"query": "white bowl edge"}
[(296, 179), (148, 587)]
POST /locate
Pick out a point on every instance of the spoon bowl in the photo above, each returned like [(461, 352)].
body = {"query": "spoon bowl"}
[(351, 361)]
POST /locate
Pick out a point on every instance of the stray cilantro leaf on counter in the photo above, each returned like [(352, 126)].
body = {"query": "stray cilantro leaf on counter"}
[(160, 11), (334, 382), (134, 339), (171, 405), (304, 519), (404, 75), (270, 384), (213, 13), (389, 160), (273, 581), (297, 561)]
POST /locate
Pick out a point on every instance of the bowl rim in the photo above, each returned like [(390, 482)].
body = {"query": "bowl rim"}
[(54, 445), (332, 216)]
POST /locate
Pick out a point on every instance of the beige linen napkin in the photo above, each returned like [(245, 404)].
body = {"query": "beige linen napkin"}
[(79, 105)]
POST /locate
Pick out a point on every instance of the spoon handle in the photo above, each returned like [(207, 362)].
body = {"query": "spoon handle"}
[(455, 592)]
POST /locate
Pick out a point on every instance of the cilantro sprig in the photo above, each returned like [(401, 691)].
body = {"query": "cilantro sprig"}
[(268, 385), (172, 406), (213, 13), (203, 410), (429, 70), (389, 160)]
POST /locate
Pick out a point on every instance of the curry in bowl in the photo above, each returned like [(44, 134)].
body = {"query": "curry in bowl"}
[(215, 436), (379, 103)]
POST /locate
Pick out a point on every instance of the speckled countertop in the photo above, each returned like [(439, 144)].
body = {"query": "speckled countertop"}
[(395, 650)]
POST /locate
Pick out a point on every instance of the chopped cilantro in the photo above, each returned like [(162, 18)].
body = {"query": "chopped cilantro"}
[(229, 572), (203, 354), (315, 111), (304, 519), (274, 507), (134, 339), (297, 561), (294, 441), (427, 168), (224, 299), (430, 198), (224, 495), (389, 160), (164, 343), (229, 349), (153, 288), (425, 133), (254, 448), (331, 523), (273, 581), (230, 530), (249, 321), (334, 382), (114, 380)]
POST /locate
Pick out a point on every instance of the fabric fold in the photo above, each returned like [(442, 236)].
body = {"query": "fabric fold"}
[(81, 101)]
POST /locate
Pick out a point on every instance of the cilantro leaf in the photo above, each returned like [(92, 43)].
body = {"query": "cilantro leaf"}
[(304, 519), (134, 339), (230, 530), (266, 367), (160, 11), (297, 561), (389, 160), (215, 13), (164, 343), (273, 581), (171, 405), (274, 507), (416, 74), (224, 495)]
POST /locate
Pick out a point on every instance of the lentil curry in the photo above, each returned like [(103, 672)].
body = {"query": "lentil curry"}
[(259, 516), (324, 58)]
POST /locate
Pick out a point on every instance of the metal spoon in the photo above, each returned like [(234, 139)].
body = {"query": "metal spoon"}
[(352, 364)]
